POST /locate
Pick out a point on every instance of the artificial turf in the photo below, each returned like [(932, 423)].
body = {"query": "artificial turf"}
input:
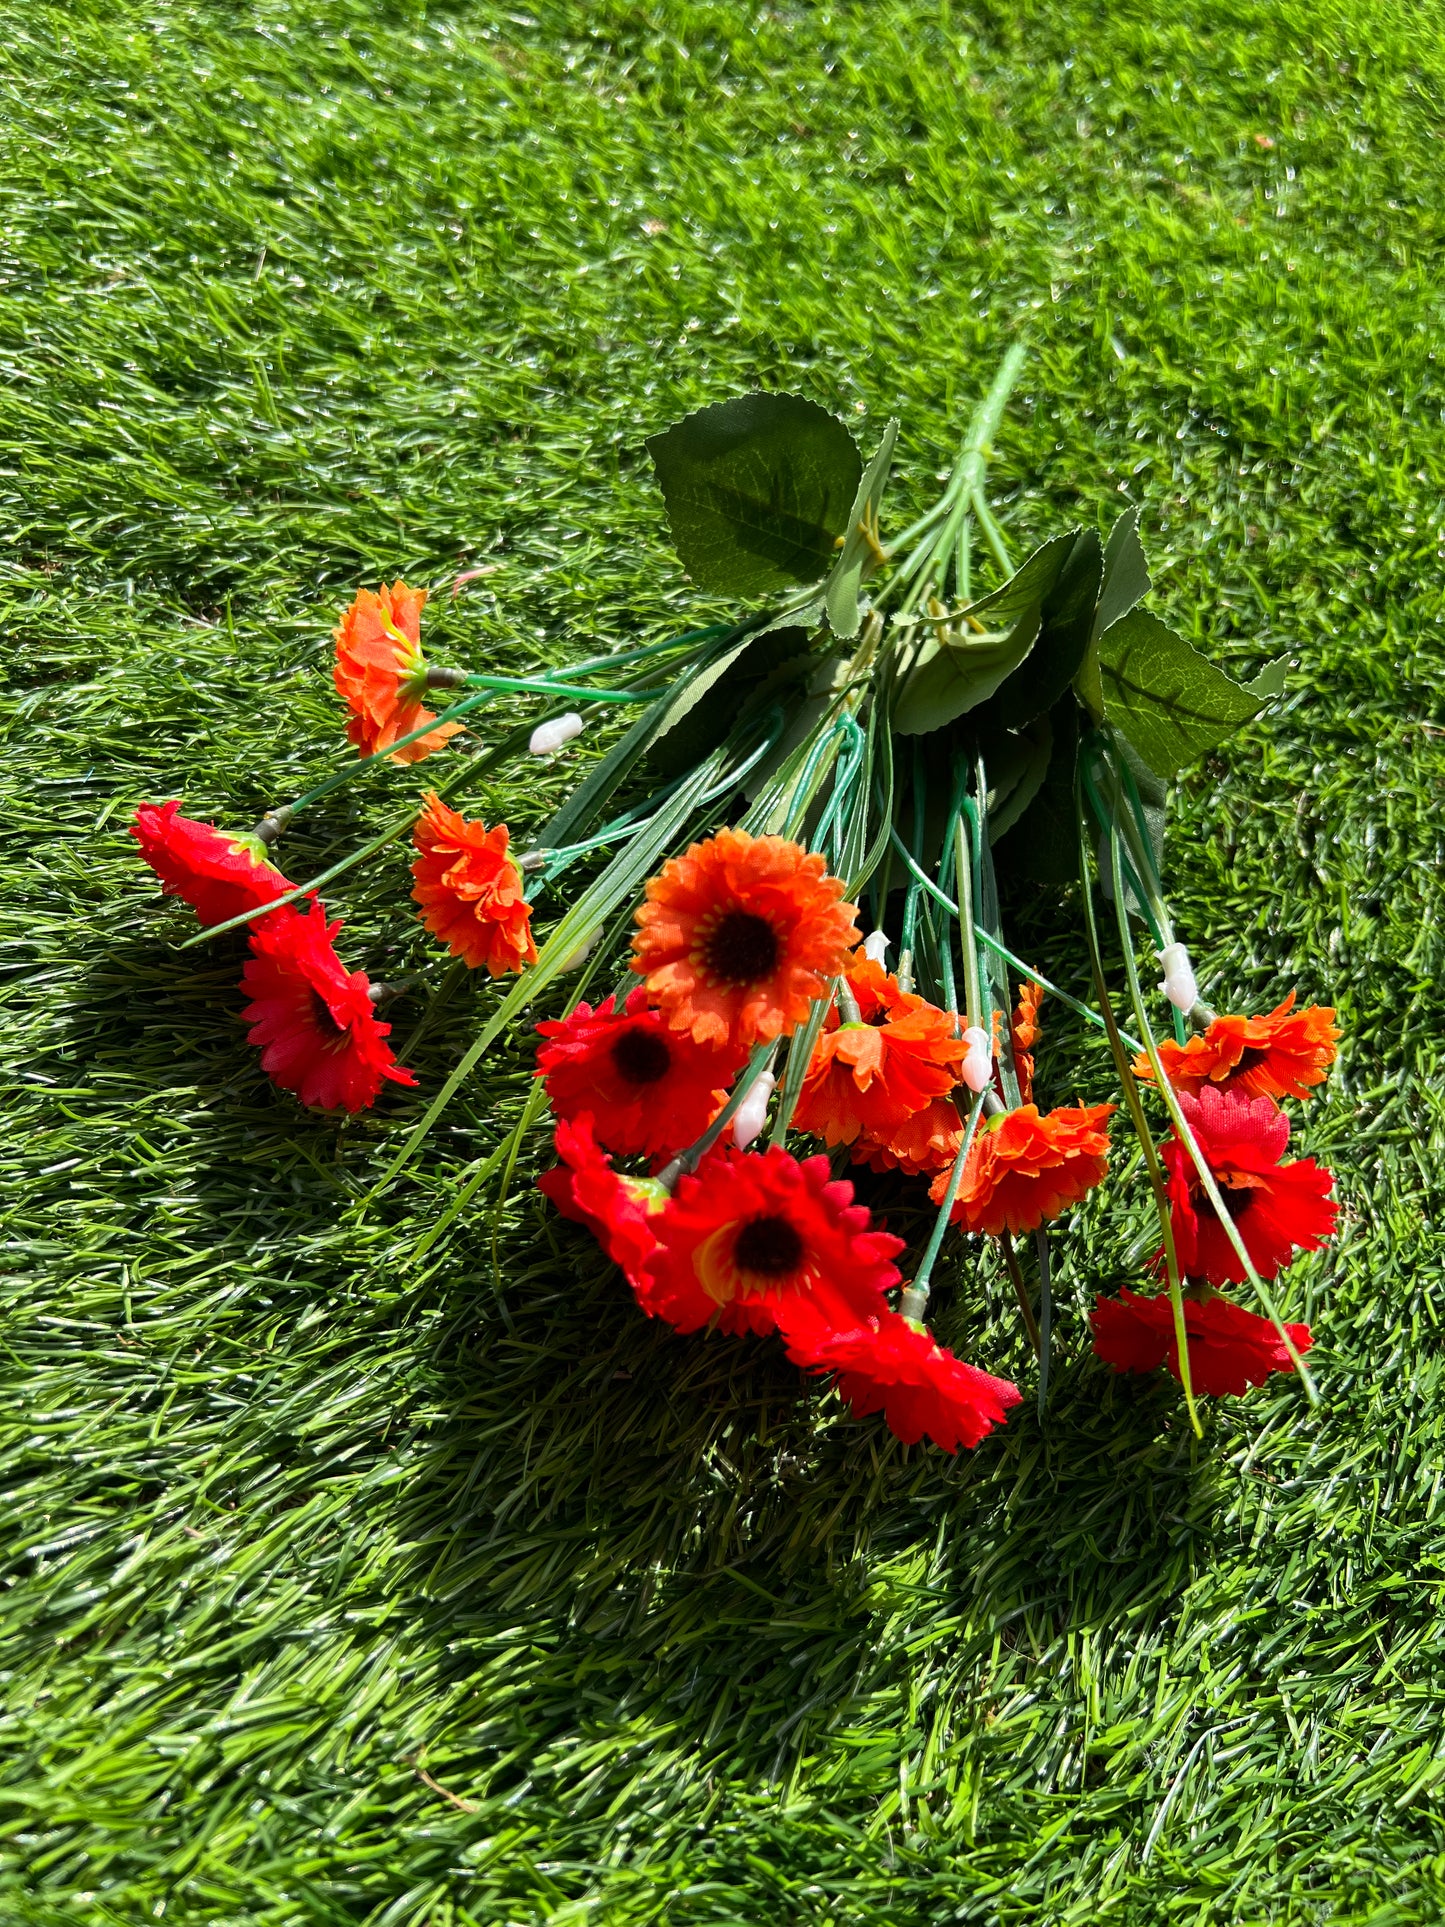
[(352, 1581)]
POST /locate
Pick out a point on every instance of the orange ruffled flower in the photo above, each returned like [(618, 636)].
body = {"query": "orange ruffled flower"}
[(869, 1079), (1281, 1055), (740, 935), (929, 1141), (470, 890), (379, 672), (1025, 1167), (1026, 1033)]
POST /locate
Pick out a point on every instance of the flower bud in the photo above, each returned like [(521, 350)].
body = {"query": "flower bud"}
[(1178, 985), (752, 1113), (875, 946), (583, 951), (547, 738), (977, 1070)]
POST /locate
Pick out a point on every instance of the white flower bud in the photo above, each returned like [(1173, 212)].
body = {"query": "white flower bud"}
[(751, 1115), (875, 946), (977, 1070), (1178, 985), (547, 738), (583, 951)]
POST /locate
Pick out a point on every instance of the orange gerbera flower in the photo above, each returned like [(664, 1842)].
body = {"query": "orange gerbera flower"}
[(380, 673), (1026, 1033), (1025, 1167), (470, 890), (740, 935), (1280, 1055), (871, 1077)]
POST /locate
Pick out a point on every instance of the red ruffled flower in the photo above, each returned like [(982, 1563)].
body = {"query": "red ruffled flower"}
[(1281, 1055), (470, 890), (1276, 1207), (311, 1018), (868, 1079), (617, 1210), (380, 673), (740, 935), (650, 1090), (888, 1365), (221, 876), (761, 1242), (1230, 1348), (1026, 1166)]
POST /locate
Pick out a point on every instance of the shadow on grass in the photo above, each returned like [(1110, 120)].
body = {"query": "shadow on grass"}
[(699, 1538)]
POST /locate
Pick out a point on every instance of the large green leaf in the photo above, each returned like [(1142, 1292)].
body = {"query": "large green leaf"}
[(1017, 764), (1168, 700), (1064, 631), (757, 490), (860, 552), (726, 691), (1043, 844), (948, 678), (1125, 582)]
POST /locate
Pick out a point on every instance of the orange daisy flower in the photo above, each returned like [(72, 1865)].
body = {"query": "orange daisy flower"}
[(1026, 1033), (872, 1077), (470, 890), (740, 935), (1280, 1055), (760, 1242), (380, 673), (1025, 1167)]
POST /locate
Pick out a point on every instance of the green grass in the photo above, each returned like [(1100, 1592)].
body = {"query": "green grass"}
[(295, 295)]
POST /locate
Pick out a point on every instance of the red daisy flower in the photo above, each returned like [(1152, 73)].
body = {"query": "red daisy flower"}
[(617, 1210), (871, 1077), (470, 890), (1230, 1348), (220, 875), (1276, 1207), (380, 673), (650, 1090), (1026, 1166), (1281, 1055), (891, 1366), (760, 1242), (740, 935), (311, 1018)]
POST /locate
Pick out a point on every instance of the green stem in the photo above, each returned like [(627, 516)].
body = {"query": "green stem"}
[(915, 1296), (537, 686), (688, 1160), (363, 765), (1021, 1292)]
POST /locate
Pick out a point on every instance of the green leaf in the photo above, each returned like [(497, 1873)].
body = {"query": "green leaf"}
[(1043, 844), (962, 668), (1171, 702), (861, 554), (1017, 765), (1124, 583), (727, 691), (1064, 632), (757, 491)]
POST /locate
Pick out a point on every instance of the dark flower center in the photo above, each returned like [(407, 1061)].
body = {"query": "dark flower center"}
[(1249, 1057), (1237, 1199), (641, 1057), (742, 948), (324, 1021), (768, 1247)]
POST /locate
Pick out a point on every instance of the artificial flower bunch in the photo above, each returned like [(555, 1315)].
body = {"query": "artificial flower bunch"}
[(873, 745)]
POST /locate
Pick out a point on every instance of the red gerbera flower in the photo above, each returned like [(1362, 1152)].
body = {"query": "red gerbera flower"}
[(470, 890), (1230, 1348), (220, 875), (617, 1210), (1025, 1167), (1281, 1055), (761, 1242), (380, 673), (1275, 1207), (650, 1090), (869, 1078), (311, 1018), (740, 935), (891, 1366)]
